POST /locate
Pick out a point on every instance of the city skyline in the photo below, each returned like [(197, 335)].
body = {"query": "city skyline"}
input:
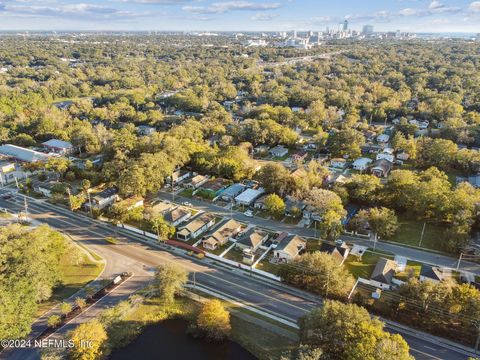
[(240, 15)]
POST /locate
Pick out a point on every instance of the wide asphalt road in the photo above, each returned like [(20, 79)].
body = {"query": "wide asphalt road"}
[(141, 259)]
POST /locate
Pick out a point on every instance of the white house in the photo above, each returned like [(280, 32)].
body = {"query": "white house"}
[(104, 199), (196, 227), (58, 146), (252, 239), (7, 172), (338, 163), (247, 197), (278, 151), (177, 215), (383, 138), (361, 164), (387, 157)]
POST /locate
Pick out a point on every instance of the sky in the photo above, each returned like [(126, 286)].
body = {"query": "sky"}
[(240, 15)]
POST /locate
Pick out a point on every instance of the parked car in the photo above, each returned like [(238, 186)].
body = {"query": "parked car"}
[(7, 196), (186, 203), (248, 213)]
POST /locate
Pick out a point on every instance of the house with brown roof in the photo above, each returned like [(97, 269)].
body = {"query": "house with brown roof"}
[(289, 248), (197, 181), (383, 273), (226, 232), (381, 168)]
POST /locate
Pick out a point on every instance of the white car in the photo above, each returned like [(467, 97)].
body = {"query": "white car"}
[(186, 203), (248, 213)]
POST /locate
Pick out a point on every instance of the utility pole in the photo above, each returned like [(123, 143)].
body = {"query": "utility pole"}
[(26, 207), (70, 198), (90, 203), (173, 191), (421, 236), (459, 260)]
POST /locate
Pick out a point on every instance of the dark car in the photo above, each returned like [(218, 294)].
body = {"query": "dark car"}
[(7, 196)]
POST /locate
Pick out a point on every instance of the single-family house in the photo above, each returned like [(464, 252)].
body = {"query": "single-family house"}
[(214, 187), (361, 164), (177, 215), (402, 155), (293, 207), (232, 192), (260, 202), (251, 239), (299, 156), (226, 232), (370, 148), (278, 151), (385, 156), (145, 130), (431, 273), (197, 181), (248, 197), (383, 138), (340, 252), (196, 226), (46, 189), (22, 154), (383, 273), (179, 176), (7, 172), (381, 168), (58, 146), (289, 248), (338, 163), (310, 214), (103, 199)]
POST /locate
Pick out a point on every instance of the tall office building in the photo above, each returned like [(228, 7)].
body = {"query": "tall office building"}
[(368, 30), (294, 34), (345, 25)]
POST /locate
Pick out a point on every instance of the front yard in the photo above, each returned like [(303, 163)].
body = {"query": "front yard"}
[(410, 231)]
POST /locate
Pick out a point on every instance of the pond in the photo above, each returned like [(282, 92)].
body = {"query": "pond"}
[(169, 340)]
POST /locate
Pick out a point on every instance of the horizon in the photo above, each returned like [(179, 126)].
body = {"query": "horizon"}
[(418, 16)]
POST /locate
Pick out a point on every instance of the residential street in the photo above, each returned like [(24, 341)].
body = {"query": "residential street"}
[(141, 259), (410, 253)]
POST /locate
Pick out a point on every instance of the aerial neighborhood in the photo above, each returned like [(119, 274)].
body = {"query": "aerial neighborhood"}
[(348, 181)]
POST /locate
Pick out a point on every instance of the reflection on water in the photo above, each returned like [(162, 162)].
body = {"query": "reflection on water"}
[(169, 340)]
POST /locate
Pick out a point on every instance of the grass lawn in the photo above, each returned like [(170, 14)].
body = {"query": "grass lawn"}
[(186, 193), (410, 231), (266, 265), (235, 254), (364, 267), (292, 220), (412, 269), (76, 273)]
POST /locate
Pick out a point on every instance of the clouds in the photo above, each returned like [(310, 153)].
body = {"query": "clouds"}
[(80, 11), (263, 17), (223, 7), (474, 7)]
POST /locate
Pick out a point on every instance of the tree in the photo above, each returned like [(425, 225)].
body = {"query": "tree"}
[(88, 339), (364, 188), (382, 221), (86, 184), (65, 308), (304, 352), (275, 205), (346, 331), (169, 280), (346, 142), (328, 206), (53, 321), (318, 272), (163, 229), (275, 178), (81, 303), (76, 201), (214, 320)]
